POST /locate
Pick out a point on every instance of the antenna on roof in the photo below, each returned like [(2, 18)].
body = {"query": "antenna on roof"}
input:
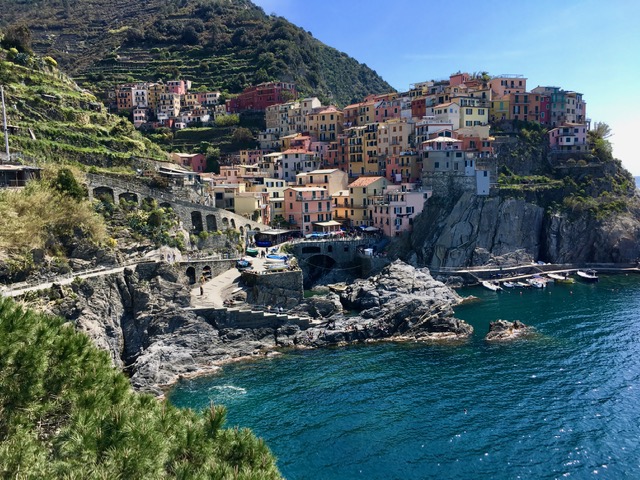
[(5, 127)]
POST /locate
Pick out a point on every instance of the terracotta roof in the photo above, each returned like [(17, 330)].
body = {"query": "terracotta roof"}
[(364, 181), (298, 150)]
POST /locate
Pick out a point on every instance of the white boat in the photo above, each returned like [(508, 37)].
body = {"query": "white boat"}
[(490, 286), (523, 285), (587, 275), (509, 285), (536, 283)]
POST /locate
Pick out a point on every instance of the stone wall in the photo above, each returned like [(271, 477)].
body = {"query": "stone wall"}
[(194, 216), (280, 289), (448, 183)]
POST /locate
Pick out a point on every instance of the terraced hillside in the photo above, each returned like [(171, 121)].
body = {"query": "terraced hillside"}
[(218, 44), (61, 123)]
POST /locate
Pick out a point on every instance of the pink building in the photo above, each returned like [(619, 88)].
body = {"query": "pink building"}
[(570, 137), (306, 206), (179, 87), (387, 109), (393, 212), (196, 161)]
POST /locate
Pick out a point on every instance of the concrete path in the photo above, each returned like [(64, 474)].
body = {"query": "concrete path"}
[(61, 281), (221, 287)]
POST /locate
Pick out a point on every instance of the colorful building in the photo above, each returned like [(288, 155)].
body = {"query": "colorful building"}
[(325, 123), (361, 193), (394, 210), (259, 97), (332, 180), (571, 137), (502, 85), (196, 161), (306, 206)]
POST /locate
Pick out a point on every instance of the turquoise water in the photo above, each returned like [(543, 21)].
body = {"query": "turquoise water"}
[(564, 404)]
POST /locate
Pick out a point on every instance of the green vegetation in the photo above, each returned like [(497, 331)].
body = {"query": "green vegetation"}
[(67, 413), (579, 183), (147, 222), (219, 44), (61, 123), (42, 217)]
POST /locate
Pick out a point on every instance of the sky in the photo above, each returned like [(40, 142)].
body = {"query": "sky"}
[(588, 46)]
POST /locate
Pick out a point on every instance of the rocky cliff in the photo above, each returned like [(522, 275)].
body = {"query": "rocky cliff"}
[(501, 230), (139, 316)]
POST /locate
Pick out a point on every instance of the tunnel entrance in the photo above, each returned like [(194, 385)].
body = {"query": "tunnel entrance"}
[(317, 266)]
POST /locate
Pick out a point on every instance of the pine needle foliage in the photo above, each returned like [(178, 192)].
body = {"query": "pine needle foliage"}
[(65, 412)]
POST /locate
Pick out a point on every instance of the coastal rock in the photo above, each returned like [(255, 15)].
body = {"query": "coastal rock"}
[(471, 230), (502, 330), (139, 317)]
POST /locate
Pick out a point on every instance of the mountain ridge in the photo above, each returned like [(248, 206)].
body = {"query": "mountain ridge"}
[(218, 44)]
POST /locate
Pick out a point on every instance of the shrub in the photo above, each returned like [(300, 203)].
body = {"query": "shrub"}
[(67, 413)]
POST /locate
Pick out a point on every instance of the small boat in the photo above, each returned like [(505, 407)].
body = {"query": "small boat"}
[(509, 284), (252, 252), (587, 275), (560, 278), (275, 256), (536, 283), (523, 285), (490, 286)]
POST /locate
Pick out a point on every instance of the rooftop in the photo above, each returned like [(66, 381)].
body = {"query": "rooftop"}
[(365, 181)]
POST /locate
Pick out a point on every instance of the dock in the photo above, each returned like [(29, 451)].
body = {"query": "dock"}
[(476, 275)]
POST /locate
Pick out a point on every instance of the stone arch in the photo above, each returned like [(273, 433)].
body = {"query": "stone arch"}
[(104, 193), (241, 231), (317, 266), (257, 229), (206, 272), (247, 227), (225, 222), (233, 223), (191, 275), (165, 205), (128, 197), (196, 221), (212, 223)]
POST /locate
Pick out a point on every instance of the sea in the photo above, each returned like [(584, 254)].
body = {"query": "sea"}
[(564, 403)]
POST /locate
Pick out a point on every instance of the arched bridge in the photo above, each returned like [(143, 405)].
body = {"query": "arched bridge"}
[(319, 257), (194, 216)]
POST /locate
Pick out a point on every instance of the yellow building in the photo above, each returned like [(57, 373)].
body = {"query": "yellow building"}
[(372, 165), (325, 123), (356, 151), (155, 90), (394, 136), (499, 109), (472, 111), (191, 100), (361, 193), (341, 207)]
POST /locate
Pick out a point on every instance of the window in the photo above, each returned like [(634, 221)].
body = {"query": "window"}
[(306, 218), (469, 111)]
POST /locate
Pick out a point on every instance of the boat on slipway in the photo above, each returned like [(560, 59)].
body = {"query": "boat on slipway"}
[(560, 278), (588, 275), (494, 287)]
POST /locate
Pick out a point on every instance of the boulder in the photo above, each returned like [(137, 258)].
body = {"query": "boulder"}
[(502, 330)]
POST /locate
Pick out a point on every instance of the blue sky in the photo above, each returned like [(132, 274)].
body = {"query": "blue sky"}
[(589, 46)]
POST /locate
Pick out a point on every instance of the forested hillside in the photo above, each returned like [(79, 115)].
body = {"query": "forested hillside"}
[(218, 44)]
